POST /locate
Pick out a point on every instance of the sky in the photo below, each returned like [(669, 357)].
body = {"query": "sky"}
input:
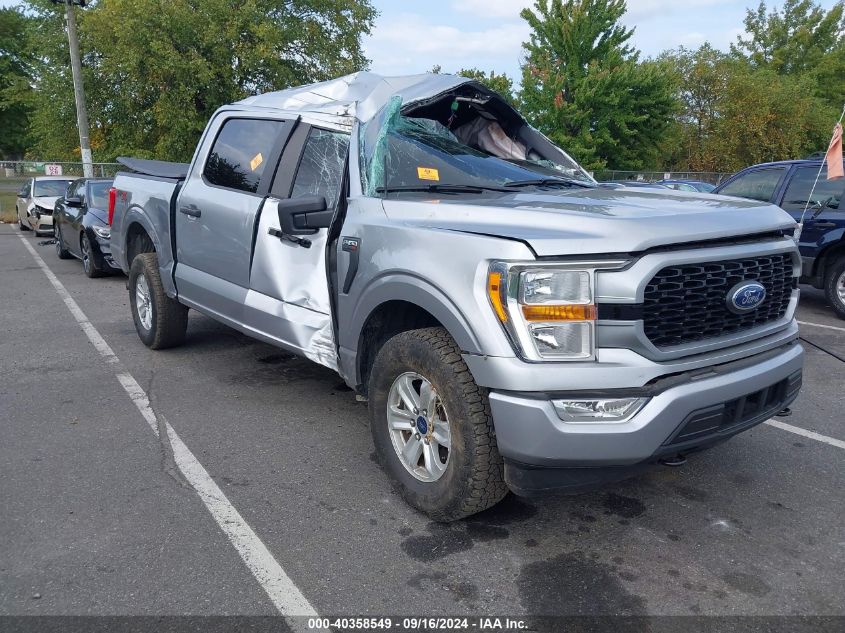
[(412, 37)]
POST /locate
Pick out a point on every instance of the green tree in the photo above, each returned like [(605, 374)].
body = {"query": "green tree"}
[(500, 83), (16, 95), (801, 39), (156, 70), (734, 114), (791, 40), (584, 86)]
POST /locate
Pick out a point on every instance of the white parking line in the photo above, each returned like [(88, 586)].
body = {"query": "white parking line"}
[(826, 327), (281, 590), (805, 433)]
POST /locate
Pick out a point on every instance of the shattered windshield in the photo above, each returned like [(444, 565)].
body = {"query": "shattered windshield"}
[(414, 154)]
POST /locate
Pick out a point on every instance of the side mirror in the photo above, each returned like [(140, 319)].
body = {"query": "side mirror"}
[(73, 201), (304, 216)]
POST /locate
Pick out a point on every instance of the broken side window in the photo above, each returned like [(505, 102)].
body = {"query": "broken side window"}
[(320, 170)]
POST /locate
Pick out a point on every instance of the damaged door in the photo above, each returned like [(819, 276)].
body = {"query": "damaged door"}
[(290, 291)]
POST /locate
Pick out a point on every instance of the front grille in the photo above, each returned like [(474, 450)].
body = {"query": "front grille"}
[(688, 303)]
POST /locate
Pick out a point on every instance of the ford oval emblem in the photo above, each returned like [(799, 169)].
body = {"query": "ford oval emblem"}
[(746, 296)]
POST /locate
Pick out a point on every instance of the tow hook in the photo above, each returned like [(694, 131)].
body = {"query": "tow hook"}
[(675, 461), (785, 413)]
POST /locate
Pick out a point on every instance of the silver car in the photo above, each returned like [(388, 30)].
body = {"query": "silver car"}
[(36, 201)]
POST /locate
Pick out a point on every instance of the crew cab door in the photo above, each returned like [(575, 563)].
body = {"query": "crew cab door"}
[(290, 299), (217, 209)]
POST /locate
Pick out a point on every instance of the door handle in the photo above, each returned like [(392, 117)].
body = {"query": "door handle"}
[(824, 225), (191, 211)]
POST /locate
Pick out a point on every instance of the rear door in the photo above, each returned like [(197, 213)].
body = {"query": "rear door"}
[(216, 212)]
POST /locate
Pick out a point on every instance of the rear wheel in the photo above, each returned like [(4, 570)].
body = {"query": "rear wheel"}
[(160, 321), (432, 426), (834, 286), (61, 251), (89, 258)]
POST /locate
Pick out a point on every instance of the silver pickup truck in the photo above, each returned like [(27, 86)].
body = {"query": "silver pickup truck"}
[(512, 324)]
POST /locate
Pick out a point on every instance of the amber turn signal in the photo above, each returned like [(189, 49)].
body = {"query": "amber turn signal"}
[(559, 312), (494, 288)]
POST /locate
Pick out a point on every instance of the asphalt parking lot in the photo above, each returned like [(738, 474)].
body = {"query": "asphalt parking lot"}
[(98, 519)]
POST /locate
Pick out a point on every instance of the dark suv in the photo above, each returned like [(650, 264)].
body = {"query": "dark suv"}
[(822, 243)]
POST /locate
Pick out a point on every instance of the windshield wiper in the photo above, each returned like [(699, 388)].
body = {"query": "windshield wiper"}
[(546, 182), (441, 189)]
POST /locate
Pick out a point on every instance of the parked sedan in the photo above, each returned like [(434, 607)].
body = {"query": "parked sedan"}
[(36, 201), (82, 228)]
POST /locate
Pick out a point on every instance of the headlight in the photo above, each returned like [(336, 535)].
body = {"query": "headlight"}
[(548, 311), (598, 411), (103, 231)]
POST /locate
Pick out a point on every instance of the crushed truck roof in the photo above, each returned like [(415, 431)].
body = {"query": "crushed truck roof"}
[(360, 95)]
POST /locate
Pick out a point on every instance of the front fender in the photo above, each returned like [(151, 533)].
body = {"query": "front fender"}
[(420, 292)]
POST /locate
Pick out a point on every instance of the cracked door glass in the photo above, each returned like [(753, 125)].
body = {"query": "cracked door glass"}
[(321, 168)]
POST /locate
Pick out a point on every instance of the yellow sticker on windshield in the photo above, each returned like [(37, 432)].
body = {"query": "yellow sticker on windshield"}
[(428, 173), (256, 162)]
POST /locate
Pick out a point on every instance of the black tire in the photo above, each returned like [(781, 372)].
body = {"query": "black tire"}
[(23, 226), (61, 251), (91, 262), (169, 318), (474, 477), (833, 280)]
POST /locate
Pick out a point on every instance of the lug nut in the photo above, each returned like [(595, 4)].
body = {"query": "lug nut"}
[(417, 435)]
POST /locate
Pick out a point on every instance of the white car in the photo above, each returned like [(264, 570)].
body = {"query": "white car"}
[(36, 201)]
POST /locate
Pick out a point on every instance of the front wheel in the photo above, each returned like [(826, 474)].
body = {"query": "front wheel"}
[(834, 286), (160, 321), (432, 426), (22, 224)]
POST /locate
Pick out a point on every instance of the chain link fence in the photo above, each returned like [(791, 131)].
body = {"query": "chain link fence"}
[(14, 173), (22, 169), (713, 177)]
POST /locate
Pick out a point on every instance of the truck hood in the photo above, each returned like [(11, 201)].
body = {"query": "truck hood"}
[(593, 221)]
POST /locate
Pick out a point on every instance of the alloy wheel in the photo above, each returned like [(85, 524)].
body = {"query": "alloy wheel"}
[(86, 254), (419, 427), (143, 302)]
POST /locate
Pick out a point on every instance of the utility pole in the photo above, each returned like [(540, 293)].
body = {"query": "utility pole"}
[(78, 90)]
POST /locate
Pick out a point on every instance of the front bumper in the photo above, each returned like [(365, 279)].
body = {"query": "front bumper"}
[(104, 247), (41, 223), (686, 412)]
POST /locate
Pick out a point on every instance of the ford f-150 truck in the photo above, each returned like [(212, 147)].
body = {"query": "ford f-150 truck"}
[(511, 324)]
